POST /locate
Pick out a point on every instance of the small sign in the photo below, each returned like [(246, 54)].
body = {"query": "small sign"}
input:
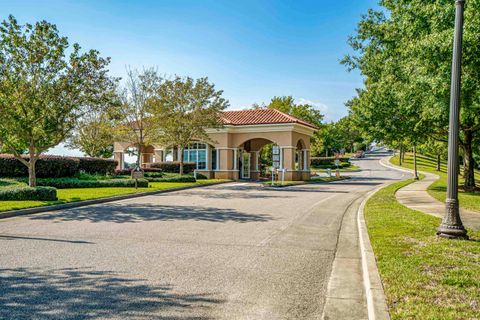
[(137, 175), (276, 158), (275, 150), (337, 162), (276, 164)]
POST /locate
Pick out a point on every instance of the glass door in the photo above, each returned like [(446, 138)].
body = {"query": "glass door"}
[(246, 165)]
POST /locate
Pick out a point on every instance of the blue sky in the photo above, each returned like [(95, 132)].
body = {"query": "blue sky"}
[(253, 50)]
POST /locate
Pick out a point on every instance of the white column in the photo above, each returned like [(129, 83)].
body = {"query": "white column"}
[(305, 157), (207, 159), (235, 160), (257, 160), (281, 157)]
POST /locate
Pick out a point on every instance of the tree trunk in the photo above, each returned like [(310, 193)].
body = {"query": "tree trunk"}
[(438, 162), (415, 162), (32, 177), (400, 156), (468, 163), (326, 153), (181, 161)]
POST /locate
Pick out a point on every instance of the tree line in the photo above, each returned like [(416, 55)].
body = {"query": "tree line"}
[(404, 52), (53, 92)]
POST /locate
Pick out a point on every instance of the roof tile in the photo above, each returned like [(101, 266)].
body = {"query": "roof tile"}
[(260, 116)]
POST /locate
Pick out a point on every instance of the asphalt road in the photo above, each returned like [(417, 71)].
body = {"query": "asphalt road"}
[(233, 251)]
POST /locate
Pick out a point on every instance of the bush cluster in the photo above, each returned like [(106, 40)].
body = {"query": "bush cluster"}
[(29, 193), (174, 166), (146, 171), (329, 162), (201, 176), (187, 178), (97, 166), (55, 166), (70, 183)]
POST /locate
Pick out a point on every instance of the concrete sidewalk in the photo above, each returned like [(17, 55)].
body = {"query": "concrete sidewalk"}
[(415, 196)]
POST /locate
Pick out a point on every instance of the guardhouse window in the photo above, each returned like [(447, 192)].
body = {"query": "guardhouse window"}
[(196, 152)]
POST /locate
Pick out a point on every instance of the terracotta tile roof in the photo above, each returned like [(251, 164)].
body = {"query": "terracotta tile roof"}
[(260, 116)]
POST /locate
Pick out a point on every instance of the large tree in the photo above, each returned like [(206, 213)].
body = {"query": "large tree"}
[(42, 92), (183, 108), (136, 124), (406, 47)]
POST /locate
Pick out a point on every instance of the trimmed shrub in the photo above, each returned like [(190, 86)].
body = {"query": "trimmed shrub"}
[(201, 176), (128, 172), (153, 174), (28, 193), (97, 165), (173, 179), (174, 166), (327, 162), (46, 166), (70, 183)]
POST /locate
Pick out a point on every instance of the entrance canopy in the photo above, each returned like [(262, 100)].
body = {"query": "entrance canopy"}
[(233, 150)]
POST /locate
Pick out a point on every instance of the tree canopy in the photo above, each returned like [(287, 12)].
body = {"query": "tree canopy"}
[(42, 92), (404, 52)]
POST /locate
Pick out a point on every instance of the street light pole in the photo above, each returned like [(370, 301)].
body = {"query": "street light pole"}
[(451, 226)]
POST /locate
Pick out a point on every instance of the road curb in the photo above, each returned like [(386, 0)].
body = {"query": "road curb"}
[(376, 302), (56, 207)]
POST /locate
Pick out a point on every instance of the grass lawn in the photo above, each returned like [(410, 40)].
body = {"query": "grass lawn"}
[(72, 195), (351, 168), (425, 277), (438, 189)]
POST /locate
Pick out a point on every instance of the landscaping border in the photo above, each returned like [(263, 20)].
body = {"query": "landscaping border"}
[(70, 205)]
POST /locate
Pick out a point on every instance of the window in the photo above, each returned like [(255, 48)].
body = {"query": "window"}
[(196, 152), (214, 159)]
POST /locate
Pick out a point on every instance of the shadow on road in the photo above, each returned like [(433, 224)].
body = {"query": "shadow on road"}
[(137, 212), (233, 195), (74, 293), (11, 237)]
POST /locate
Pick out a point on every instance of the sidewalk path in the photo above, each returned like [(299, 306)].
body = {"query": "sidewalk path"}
[(415, 196)]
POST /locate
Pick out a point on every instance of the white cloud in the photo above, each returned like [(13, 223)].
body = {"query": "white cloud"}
[(326, 111), (320, 106)]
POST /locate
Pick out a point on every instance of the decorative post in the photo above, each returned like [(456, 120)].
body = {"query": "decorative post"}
[(452, 226)]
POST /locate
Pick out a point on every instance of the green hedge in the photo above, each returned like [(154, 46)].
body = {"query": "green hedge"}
[(46, 166), (201, 176), (173, 179), (128, 172), (154, 174), (70, 183), (319, 162), (174, 166), (55, 166), (332, 165), (28, 193), (97, 165)]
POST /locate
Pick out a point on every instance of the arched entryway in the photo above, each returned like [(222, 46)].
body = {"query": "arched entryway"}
[(249, 154)]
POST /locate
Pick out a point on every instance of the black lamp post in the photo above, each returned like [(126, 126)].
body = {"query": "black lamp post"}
[(451, 226)]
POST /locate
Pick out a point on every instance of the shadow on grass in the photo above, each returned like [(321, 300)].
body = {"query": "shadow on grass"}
[(137, 212), (73, 293)]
